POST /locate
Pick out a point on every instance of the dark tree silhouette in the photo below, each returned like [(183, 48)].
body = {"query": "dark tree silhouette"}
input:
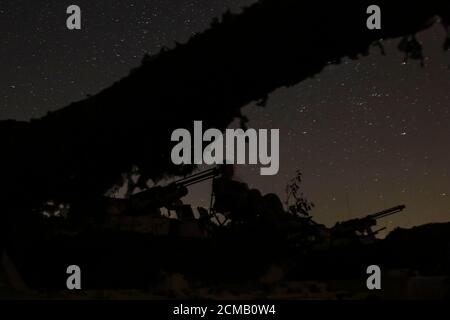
[(296, 202), (78, 152)]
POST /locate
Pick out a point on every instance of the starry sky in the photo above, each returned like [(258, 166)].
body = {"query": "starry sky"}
[(367, 134)]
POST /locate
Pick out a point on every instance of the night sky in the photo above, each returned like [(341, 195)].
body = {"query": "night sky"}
[(367, 134)]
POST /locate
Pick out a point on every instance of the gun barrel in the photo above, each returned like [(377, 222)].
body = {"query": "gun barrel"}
[(387, 212), (198, 177)]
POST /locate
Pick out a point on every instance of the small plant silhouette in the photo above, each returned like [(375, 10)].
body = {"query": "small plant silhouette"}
[(296, 202)]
